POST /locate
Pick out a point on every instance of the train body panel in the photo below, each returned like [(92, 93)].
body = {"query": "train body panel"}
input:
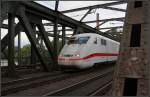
[(84, 50)]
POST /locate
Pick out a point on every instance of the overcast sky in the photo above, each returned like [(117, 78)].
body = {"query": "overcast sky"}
[(65, 5)]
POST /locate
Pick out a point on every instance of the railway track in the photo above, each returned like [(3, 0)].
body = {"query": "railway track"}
[(74, 89), (32, 82), (23, 69), (48, 83), (103, 90), (27, 79), (29, 82)]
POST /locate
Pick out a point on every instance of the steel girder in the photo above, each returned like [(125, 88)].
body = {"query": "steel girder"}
[(49, 14), (103, 20), (85, 15), (28, 30), (5, 26), (19, 48), (100, 24), (52, 35), (49, 34), (100, 28), (55, 42), (48, 44), (4, 10), (106, 20), (116, 9), (63, 35), (112, 27), (11, 32), (33, 53), (96, 6), (17, 29), (4, 41), (0, 32)]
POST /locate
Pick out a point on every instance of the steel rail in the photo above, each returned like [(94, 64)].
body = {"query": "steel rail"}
[(101, 89), (31, 84), (26, 79), (73, 86), (36, 83)]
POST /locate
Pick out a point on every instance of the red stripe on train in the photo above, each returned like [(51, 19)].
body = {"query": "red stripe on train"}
[(89, 56)]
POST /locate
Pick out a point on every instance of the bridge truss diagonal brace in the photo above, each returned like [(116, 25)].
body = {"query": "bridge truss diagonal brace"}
[(100, 24), (33, 53), (56, 37), (77, 30), (86, 14), (63, 35), (98, 6), (11, 30), (48, 43), (18, 29), (28, 30)]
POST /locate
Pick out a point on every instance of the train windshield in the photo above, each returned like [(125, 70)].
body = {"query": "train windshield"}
[(79, 40)]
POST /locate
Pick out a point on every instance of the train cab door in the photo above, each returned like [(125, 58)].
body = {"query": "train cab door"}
[(103, 44)]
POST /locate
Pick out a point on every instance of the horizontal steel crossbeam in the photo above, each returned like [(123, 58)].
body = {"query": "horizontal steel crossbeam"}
[(95, 6), (106, 20), (49, 14)]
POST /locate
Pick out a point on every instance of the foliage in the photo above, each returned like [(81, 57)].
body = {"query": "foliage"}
[(26, 50)]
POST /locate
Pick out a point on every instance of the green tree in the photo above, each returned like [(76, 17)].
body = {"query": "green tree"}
[(26, 50)]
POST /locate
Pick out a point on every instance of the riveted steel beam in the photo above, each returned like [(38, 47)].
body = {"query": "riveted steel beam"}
[(11, 30), (56, 39), (100, 24), (49, 14), (106, 20), (63, 36), (85, 14), (5, 26), (112, 27), (48, 44), (0, 36), (33, 53), (116, 9), (100, 28), (28, 30), (4, 44), (19, 48), (94, 6)]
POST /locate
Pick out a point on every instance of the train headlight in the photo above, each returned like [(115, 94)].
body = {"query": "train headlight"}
[(77, 55), (61, 55)]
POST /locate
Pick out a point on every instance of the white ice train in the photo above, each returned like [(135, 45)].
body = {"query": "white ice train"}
[(85, 50)]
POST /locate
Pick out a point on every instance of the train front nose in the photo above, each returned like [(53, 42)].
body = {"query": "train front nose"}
[(69, 60)]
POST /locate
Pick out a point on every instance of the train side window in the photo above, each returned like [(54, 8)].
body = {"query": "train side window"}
[(95, 41), (103, 42)]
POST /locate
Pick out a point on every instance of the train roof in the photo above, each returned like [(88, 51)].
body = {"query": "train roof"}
[(94, 35)]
